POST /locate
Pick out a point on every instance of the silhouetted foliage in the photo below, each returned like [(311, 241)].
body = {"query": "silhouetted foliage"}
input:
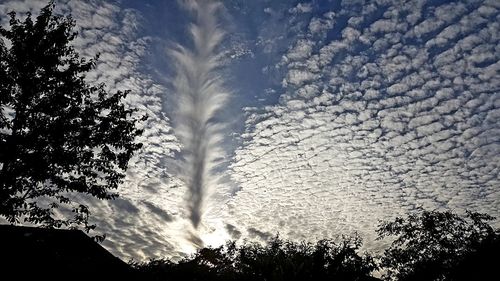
[(439, 246), (481, 263), (277, 260), (59, 135), (428, 246)]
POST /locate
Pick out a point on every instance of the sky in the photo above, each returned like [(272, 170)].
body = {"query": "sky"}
[(311, 119)]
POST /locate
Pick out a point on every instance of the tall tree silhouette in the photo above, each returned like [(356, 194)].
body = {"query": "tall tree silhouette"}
[(59, 136), (435, 245)]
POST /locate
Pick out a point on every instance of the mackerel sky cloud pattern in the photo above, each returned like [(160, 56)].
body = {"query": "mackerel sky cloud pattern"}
[(384, 109)]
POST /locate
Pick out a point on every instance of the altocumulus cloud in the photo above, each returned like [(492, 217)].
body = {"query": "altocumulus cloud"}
[(384, 108)]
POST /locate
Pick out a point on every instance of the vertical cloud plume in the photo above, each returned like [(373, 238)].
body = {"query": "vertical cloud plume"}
[(201, 95)]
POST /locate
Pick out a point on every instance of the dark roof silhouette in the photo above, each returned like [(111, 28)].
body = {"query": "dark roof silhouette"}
[(30, 253)]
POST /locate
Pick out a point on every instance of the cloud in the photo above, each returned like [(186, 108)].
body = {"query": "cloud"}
[(201, 94), (255, 233), (162, 214), (233, 231), (389, 118), (301, 8)]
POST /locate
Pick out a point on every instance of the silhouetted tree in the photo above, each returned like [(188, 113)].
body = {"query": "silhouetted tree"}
[(434, 245), (59, 135), (287, 260), (481, 263), (277, 260)]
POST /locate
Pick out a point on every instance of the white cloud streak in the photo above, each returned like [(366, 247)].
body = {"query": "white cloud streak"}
[(201, 94)]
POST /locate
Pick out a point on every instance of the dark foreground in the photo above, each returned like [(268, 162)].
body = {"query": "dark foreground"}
[(425, 247), (30, 253)]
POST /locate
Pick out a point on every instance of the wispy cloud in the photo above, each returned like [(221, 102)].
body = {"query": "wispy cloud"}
[(201, 94)]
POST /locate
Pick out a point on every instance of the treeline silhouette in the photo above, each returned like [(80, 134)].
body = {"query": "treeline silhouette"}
[(277, 260), (429, 246)]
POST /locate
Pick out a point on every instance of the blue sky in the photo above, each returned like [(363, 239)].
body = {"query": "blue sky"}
[(336, 114)]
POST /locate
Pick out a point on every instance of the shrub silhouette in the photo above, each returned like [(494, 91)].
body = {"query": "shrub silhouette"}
[(481, 263), (427, 246), (439, 246), (277, 260)]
